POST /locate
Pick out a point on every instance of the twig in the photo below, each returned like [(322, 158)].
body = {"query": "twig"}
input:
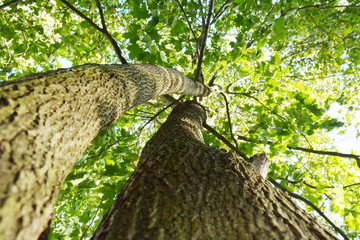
[(271, 111), (319, 7), (216, 75), (351, 185), (306, 184), (186, 18), (102, 30), (94, 48), (262, 104), (307, 202), (315, 77), (320, 152), (158, 113), (314, 187), (89, 225), (136, 115), (9, 3), (221, 10), (330, 153), (229, 120), (260, 28), (225, 141), (201, 11), (202, 41)]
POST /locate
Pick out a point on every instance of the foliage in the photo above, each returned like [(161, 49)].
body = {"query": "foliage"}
[(282, 65)]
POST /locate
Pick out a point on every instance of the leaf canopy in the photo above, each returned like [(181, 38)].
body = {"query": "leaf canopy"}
[(289, 71)]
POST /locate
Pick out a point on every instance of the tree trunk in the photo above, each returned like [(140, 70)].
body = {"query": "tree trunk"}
[(183, 189), (47, 120)]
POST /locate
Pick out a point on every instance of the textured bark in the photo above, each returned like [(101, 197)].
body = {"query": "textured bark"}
[(183, 189), (47, 120)]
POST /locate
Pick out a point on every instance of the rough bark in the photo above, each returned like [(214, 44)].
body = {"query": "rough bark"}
[(47, 120), (183, 189)]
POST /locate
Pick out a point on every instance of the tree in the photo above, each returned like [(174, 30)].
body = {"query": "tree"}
[(275, 69), (183, 189), (47, 121)]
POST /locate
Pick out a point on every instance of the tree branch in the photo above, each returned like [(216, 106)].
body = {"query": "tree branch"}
[(201, 11), (351, 185), (229, 120), (319, 7), (320, 152), (186, 18), (102, 30), (314, 187), (271, 111), (307, 202), (221, 10), (306, 184), (217, 74), (158, 113), (101, 15), (202, 42), (9, 3), (225, 141), (89, 225)]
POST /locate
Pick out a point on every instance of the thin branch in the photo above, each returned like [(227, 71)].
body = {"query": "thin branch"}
[(221, 10), (108, 35), (201, 11), (271, 111), (101, 15), (158, 113), (186, 18), (213, 78), (351, 185), (307, 202), (136, 115), (225, 141), (313, 20), (330, 153), (9, 3), (306, 184), (260, 28), (229, 119), (101, 38), (102, 30), (69, 5), (316, 77), (202, 41), (320, 152), (89, 225), (314, 187), (261, 103), (217, 74), (319, 7)]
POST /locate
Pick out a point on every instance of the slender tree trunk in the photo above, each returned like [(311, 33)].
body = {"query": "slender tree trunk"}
[(183, 189), (47, 120)]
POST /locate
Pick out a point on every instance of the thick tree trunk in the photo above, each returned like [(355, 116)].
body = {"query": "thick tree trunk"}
[(47, 120), (183, 189)]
